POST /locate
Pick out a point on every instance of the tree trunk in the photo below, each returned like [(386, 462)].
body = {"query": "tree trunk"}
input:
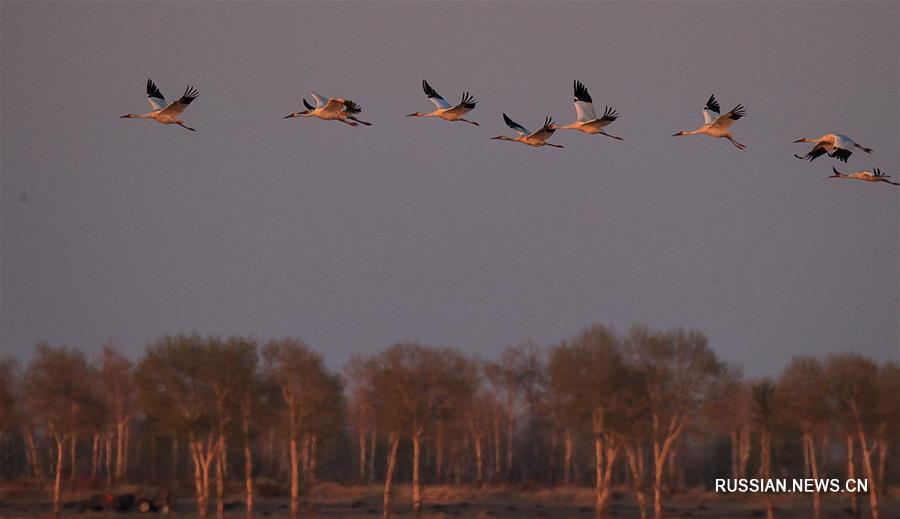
[(295, 478), (73, 452), (851, 474), (248, 467), (220, 476), (31, 453), (598, 474), (361, 440), (57, 483), (202, 457), (567, 458), (479, 463), (373, 443), (510, 425), (635, 457), (438, 453), (745, 451), (882, 460), (109, 450), (660, 453), (867, 466), (809, 451), (611, 452), (416, 484), (497, 462), (313, 457), (389, 477), (95, 457), (765, 470)]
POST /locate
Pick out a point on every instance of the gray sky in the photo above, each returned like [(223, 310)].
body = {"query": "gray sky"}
[(353, 238)]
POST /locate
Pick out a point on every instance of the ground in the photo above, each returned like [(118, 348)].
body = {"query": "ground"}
[(445, 502)]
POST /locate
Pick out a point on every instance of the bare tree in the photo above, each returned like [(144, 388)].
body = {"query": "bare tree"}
[(854, 390), (679, 371), (306, 388), (799, 393), (586, 376), (174, 388), (57, 391)]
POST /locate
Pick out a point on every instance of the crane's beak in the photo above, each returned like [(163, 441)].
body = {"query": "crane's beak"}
[(798, 140), (497, 137), (414, 114), (126, 116), (679, 134)]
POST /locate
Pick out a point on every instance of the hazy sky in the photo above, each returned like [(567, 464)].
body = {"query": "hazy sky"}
[(353, 238)]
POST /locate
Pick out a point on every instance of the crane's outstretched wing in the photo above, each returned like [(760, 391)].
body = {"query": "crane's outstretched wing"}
[(154, 96), (434, 97), (175, 108), (514, 126), (817, 151), (546, 130), (584, 105), (711, 110), (466, 105), (725, 121), (319, 99)]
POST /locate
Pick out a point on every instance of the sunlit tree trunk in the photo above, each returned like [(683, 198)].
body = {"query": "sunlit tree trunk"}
[(389, 477), (31, 454), (510, 426), (479, 463), (95, 456), (313, 456), (635, 457), (109, 451), (57, 483), (661, 448), (809, 450), (851, 474), (567, 457), (248, 465), (867, 461), (744, 456), (295, 471), (416, 483)]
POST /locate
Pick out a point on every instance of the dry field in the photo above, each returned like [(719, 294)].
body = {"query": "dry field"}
[(446, 502)]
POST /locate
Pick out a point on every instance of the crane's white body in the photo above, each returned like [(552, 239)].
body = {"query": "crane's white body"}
[(444, 110), (865, 176), (165, 113), (716, 125), (331, 109), (835, 145), (586, 118), (536, 138)]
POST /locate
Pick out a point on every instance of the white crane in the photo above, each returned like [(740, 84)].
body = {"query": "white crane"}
[(165, 113), (537, 138), (834, 144), (444, 110), (867, 176), (331, 109), (587, 120), (716, 125)]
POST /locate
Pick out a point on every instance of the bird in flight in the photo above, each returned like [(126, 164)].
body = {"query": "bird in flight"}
[(834, 144), (587, 120), (331, 109), (444, 110), (716, 125), (537, 138), (165, 113), (867, 176)]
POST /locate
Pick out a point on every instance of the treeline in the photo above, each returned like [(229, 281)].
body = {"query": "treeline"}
[(650, 411)]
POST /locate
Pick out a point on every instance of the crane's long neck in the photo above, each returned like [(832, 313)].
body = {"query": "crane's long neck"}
[(148, 115)]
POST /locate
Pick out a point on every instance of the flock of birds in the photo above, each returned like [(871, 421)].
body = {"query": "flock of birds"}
[(346, 111)]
